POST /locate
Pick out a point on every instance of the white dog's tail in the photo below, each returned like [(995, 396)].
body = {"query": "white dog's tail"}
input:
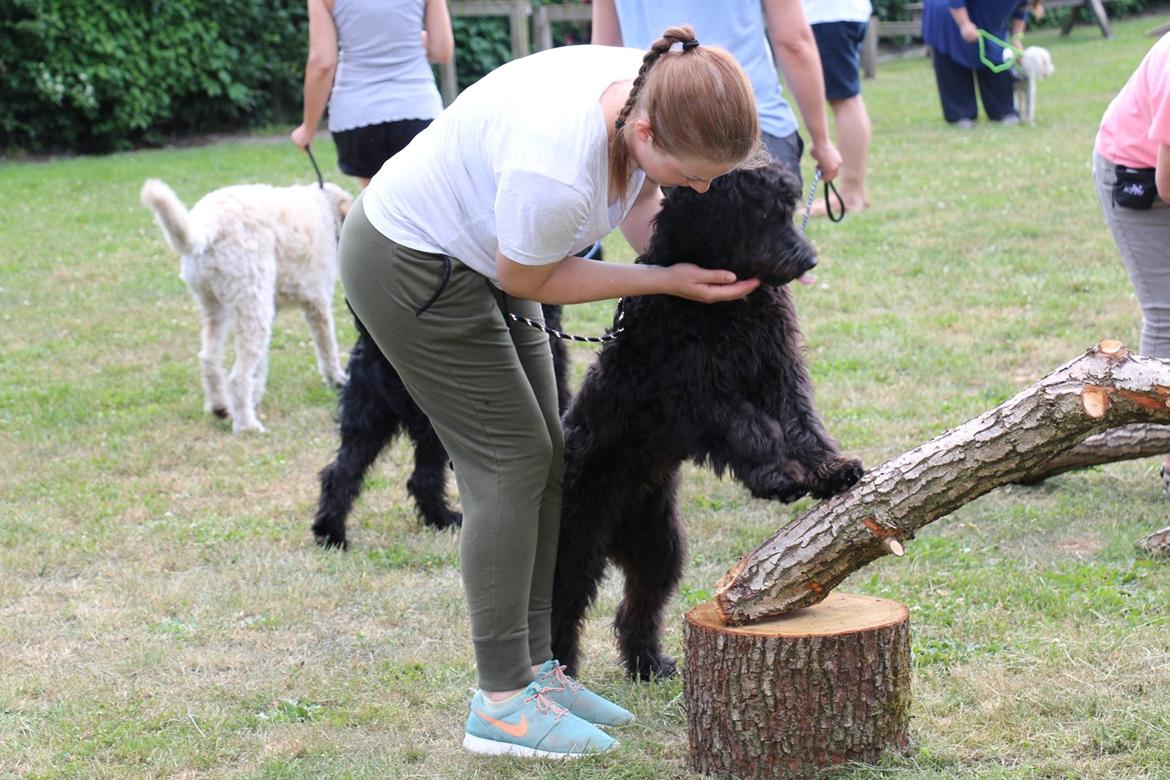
[(170, 214)]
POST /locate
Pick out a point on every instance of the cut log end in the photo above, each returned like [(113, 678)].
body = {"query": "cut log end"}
[(839, 613), (1111, 347), (1095, 401)]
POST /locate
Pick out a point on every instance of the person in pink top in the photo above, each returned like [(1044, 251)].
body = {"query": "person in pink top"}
[(1131, 168)]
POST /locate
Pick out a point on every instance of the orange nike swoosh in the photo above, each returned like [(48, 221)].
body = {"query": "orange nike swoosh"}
[(515, 729)]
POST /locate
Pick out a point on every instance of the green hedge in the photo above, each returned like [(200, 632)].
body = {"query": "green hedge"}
[(98, 75)]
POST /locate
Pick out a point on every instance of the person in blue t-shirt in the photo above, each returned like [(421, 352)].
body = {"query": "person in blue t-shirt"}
[(761, 35), (951, 29)]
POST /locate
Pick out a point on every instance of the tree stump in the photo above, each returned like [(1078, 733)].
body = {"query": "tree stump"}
[(789, 696)]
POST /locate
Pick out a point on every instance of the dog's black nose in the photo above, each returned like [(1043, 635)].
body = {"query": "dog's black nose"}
[(810, 263)]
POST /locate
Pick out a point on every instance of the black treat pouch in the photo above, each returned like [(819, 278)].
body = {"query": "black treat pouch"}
[(1135, 188)]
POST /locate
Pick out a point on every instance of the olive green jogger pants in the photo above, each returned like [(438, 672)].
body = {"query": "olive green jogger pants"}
[(489, 390)]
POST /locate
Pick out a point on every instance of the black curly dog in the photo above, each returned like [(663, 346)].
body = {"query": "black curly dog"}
[(723, 384), (374, 407)]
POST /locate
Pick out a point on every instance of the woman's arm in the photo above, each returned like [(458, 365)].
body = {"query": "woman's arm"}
[(577, 280), (967, 28), (607, 29), (796, 55), (638, 225), (319, 69), (438, 38)]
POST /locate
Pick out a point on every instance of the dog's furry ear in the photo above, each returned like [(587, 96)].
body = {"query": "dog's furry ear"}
[(790, 185)]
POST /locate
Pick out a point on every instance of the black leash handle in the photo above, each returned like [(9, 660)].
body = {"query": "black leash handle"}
[(812, 195), (320, 181), (840, 215)]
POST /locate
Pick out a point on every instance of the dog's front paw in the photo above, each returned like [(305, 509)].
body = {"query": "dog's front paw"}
[(836, 475), (785, 484), (331, 539)]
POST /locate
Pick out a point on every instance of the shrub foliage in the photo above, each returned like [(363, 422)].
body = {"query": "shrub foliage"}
[(97, 75), (102, 75)]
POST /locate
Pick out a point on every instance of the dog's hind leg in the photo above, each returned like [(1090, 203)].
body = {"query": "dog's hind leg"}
[(428, 482), (260, 379), (216, 323), (369, 419), (253, 333), (580, 567), (650, 548), (319, 315)]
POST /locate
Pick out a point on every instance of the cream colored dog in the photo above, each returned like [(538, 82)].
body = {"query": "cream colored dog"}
[(1034, 63), (244, 250)]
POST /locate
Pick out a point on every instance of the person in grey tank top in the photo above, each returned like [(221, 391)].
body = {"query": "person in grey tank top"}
[(369, 60)]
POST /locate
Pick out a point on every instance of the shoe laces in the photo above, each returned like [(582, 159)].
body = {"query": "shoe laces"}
[(564, 681), (545, 705)]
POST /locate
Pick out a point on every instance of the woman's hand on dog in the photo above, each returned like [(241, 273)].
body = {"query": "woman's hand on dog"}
[(707, 285)]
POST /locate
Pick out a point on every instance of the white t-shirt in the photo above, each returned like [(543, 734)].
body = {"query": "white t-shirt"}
[(818, 11), (519, 160)]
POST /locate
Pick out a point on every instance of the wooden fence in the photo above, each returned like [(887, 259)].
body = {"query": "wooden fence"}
[(519, 14)]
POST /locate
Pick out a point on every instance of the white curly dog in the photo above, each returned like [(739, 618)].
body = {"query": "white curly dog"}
[(1033, 65), (244, 250)]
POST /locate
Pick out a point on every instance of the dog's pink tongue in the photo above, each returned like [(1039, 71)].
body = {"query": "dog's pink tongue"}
[(807, 278)]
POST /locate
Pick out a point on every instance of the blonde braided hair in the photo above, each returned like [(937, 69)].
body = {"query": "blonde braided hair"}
[(698, 101)]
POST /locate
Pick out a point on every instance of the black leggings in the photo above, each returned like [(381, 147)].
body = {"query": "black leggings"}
[(956, 90)]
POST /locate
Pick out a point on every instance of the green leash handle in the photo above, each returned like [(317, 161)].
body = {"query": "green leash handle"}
[(993, 66)]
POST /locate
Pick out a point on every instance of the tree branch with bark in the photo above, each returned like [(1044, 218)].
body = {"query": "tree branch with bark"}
[(1018, 441)]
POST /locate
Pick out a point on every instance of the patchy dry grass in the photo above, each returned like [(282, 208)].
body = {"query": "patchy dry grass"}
[(164, 612)]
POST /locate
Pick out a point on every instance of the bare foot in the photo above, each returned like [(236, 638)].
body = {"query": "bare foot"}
[(852, 205)]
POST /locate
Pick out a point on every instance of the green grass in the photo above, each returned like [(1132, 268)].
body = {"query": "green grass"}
[(164, 612)]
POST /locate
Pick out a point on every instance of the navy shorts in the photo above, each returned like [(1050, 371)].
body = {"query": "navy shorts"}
[(361, 151), (839, 44)]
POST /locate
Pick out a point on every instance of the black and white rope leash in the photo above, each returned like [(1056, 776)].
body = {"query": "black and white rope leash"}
[(593, 252), (812, 195), (596, 249)]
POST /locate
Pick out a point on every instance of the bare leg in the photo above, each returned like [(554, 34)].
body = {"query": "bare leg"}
[(853, 135)]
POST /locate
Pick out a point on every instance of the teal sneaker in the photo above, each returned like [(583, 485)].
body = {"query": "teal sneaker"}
[(578, 699), (532, 725)]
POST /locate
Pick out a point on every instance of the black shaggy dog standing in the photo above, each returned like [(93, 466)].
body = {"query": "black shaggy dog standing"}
[(374, 407), (724, 384)]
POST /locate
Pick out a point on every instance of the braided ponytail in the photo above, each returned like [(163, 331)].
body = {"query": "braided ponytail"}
[(698, 101)]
